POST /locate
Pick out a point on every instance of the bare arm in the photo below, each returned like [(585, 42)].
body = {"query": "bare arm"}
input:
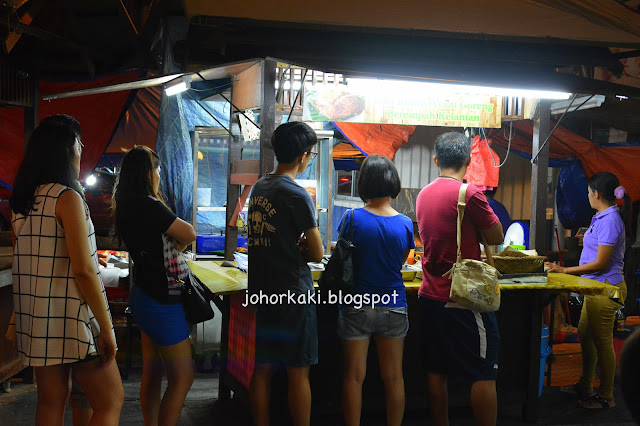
[(182, 232), (314, 250), (71, 214), (494, 235), (602, 261)]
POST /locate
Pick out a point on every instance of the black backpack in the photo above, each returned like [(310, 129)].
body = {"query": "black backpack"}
[(338, 273)]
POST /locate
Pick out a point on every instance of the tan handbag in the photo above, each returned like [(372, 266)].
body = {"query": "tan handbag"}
[(474, 284)]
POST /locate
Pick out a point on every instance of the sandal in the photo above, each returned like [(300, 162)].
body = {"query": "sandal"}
[(596, 402), (577, 389)]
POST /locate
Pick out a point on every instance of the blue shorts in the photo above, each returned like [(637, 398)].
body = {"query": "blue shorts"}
[(459, 342), (165, 325), (361, 324), (287, 335)]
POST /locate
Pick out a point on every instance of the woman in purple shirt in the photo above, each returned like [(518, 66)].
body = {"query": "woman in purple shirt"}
[(601, 260)]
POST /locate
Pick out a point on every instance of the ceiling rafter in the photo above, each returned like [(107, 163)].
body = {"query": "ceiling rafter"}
[(137, 13), (25, 20)]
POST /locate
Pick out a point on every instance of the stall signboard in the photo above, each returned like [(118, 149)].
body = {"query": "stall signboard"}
[(389, 105)]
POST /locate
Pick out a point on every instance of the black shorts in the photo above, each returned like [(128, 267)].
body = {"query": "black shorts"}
[(287, 335), (459, 342)]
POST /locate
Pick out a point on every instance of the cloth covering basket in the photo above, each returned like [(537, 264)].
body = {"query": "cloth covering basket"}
[(518, 263)]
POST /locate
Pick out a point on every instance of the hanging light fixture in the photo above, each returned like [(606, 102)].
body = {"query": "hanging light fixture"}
[(178, 85)]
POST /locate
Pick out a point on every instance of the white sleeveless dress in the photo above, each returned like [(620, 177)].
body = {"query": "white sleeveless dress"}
[(54, 324)]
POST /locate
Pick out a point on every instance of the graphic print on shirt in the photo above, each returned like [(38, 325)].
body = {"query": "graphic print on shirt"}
[(260, 227)]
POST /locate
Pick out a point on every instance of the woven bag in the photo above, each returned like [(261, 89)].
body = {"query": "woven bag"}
[(474, 284)]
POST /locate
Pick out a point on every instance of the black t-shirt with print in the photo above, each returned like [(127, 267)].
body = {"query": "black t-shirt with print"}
[(142, 222), (280, 210)]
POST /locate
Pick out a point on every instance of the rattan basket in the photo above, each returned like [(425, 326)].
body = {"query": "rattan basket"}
[(518, 263)]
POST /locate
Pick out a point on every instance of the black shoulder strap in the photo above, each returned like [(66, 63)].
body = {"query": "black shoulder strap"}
[(340, 233)]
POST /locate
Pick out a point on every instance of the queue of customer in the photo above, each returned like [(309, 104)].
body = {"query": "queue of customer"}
[(64, 328)]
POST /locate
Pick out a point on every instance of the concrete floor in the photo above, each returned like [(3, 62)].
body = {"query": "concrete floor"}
[(203, 408)]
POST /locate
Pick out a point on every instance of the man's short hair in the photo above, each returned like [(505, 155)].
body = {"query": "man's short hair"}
[(378, 178), (290, 140), (453, 150)]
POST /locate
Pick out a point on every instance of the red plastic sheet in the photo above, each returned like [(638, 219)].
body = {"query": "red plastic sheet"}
[(381, 139), (98, 115), (622, 161), (482, 170)]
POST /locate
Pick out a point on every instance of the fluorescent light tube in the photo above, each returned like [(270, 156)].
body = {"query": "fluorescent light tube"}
[(178, 85), (440, 89)]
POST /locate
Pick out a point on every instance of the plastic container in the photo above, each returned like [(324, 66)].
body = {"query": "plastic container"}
[(545, 351), (212, 243)]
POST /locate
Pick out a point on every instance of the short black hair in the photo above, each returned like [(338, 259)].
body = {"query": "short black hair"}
[(378, 178), (452, 150), (290, 140)]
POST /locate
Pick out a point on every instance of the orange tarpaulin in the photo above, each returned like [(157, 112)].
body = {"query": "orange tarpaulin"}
[(622, 161), (381, 139)]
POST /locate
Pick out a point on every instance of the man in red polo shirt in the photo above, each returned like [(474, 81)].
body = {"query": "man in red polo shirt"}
[(456, 341)]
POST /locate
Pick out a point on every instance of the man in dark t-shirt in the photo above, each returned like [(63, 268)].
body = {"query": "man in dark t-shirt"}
[(283, 236)]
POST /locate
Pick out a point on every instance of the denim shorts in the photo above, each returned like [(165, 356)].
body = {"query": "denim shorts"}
[(165, 325), (360, 324)]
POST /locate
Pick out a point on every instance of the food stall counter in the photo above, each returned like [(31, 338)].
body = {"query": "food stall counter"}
[(519, 319)]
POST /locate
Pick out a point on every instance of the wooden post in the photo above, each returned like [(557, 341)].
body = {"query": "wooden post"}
[(539, 176), (267, 116), (233, 191), (31, 113)]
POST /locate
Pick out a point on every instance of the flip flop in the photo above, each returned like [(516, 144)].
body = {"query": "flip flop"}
[(596, 403)]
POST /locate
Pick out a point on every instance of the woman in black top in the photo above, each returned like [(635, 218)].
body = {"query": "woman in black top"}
[(141, 219)]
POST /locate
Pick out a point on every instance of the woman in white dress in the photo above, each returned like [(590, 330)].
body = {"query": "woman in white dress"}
[(63, 324)]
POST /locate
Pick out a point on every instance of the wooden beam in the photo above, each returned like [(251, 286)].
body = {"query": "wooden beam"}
[(233, 190), (243, 178), (539, 175), (26, 19), (267, 116), (137, 13), (32, 113)]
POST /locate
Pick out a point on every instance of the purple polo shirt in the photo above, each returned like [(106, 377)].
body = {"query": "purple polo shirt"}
[(607, 229)]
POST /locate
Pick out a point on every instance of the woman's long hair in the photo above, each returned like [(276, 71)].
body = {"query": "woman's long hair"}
[(48, 159), (134, 179), (606, 183)]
